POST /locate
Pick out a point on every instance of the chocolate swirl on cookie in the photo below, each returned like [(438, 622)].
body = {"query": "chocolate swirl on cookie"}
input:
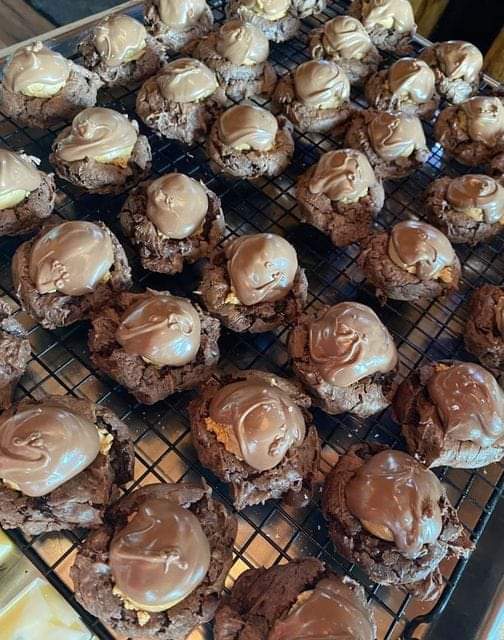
[(321, 84), (348, 343), (44, 446), (242, 44), (261, 267), (18, 178), (36, 71), (344, 175), (397, 499), (389, 14), (395, 136), (484, 119), (72, 258), (269, 9), (459, 60), (162, 329), (181, 15), (119, 39), (246, 127), (257, 422), (160, 557), (186, 80), (470, 403), (420, 248), (345, 36), (479, 194), (411, 79)]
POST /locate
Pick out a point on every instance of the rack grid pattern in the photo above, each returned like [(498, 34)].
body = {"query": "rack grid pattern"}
[(425, 331)]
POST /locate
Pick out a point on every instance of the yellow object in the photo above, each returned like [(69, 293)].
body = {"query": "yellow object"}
[(120, 158), (13, 198), (6, 547), (39, 90)]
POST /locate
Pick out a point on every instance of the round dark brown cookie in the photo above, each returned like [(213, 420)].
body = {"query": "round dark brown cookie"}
[(80, 502), (15, 352), (30, 214), (159, 253), (456, 225), (94, 583), (215, 289), (261, 597), (381, 560), (425, 437), (343, 222), (357, 137), (298, 471), (482, 335), (175, 39), (278, 30), (390, 281), (147, 382), (79, 92), (305, 117), (237, 81), (383, 38), (56, 309)]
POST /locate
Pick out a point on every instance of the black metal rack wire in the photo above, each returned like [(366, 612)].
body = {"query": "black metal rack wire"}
[(432, 330)]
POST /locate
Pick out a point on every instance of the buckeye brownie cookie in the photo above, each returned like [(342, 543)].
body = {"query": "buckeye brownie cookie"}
[(238, 53), (254, 283), (172, 221), (452, 413), (413, 262), (346, 359), (154, 344), (156, 569), (484, 331), (176, 23), (62, 461), (69, 270), (40, 87), (340, 195), (468, 208), (390, 23), (473, 131), (391, 516), (315, 96), (182, 101), (345, 41), (457, 67), (254, 432), (394, 143), (247, 141), (121, 52), (298, 599), (408, 85), (15, 352), (27, 195), (102, 152)]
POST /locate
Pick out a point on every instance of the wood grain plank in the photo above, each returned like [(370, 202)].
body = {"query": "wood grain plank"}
[(18, 21)]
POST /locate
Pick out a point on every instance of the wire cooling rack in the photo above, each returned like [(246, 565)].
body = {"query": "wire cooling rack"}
[(423, 331)]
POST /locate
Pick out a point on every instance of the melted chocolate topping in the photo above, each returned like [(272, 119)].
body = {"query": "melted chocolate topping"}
[(119, 39), (459, 60), (344, 175), (181, 15), (474, 191), (261, 267), (398, 500), (17, 173), (345, 37), (186, 80), (413, 79), (396, 15), (35, 64), (246, 127), (484, 119), (321, 84), (269, 9), (396, 135), (242, 44)]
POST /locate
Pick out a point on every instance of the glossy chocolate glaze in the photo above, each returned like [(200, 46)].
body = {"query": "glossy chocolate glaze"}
[(346, 37), (35, 64), (411, 79), (459, 60), (344, 175), (480, 192), (396, 15), (246, 127), (484, 119), (321, 84), (242, 44), (396, 135), (186, 80), (119, 39)]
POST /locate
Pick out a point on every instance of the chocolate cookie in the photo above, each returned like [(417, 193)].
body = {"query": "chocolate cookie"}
[(344, 40), (346, 358), (408, 85), (468, 209), (102, 152), (391, 516), (15, 352), (67, 271), (154, 344), (340, 195), (413, 261), (182, 101), (126, 576), (277, 19), (172, 221), (27, 195), (473, 131), (484, 331), (296, 599), (452, 413), (247, 141), (254, 284), (238, 53), (40, 87), (176, 23), (457, 66), (315, 96), (88, 456), (394, 144), (253, 431), (390, 23), (121, 52)]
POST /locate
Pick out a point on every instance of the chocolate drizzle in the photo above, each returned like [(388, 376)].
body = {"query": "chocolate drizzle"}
[(479, 192)]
